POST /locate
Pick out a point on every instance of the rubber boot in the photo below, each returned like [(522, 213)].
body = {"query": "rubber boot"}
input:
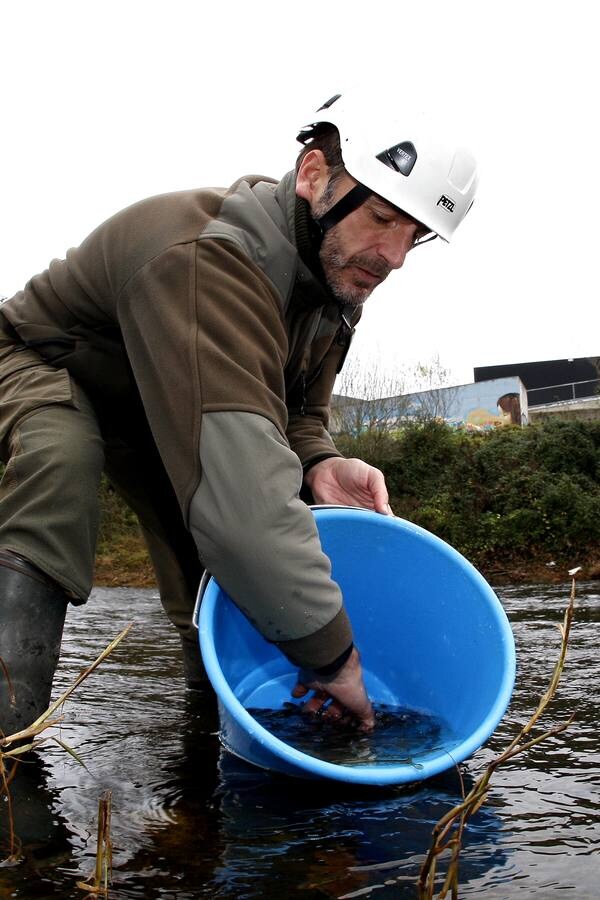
[(194, 672), (32, 616)]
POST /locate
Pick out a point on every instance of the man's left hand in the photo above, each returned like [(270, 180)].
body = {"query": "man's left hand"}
[(339, 697), (348, 482)]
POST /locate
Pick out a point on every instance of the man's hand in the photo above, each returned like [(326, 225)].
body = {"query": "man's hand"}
[(345, 689), (348, 482)]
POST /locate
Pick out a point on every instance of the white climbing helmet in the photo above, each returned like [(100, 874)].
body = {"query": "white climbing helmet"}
[(401, 159)]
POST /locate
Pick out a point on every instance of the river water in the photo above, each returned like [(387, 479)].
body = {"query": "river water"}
[(190, 821)]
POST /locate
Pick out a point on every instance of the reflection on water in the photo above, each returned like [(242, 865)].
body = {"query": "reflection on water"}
[(401, 735), (189, 821)]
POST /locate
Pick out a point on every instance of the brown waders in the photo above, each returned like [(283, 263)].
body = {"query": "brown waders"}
[(55, 451)]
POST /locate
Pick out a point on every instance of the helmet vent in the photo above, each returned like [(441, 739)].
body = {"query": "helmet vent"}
[(462, 171), (401, 157)]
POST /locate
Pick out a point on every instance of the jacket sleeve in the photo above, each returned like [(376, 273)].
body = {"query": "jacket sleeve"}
[(260, 541), (207, 344)]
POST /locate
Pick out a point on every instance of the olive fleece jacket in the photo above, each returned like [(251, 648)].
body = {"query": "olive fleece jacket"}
[(209, 305)]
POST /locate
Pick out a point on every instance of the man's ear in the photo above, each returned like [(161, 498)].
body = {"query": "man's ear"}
[(313, 176)]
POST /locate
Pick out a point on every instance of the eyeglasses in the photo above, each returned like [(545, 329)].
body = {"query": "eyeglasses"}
[(422, 236)]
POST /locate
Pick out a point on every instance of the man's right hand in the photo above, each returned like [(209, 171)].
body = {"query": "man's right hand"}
[(346, 691)]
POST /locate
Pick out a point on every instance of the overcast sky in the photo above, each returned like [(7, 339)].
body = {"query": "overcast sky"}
[(106, 103)]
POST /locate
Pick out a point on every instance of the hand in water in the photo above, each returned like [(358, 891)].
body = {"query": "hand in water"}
[(341, 696)]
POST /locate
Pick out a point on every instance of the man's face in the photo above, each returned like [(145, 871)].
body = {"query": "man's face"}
[(360, 251)]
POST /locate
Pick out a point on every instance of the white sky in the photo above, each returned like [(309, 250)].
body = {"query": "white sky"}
[(104, 103)]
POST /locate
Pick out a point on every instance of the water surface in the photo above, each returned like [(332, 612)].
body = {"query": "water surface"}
[(192, 822), (400, 737)]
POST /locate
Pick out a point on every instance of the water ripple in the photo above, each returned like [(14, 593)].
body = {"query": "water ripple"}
[(190, 821)]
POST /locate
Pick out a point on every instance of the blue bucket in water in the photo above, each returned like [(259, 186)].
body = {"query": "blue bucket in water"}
[(432, 635)]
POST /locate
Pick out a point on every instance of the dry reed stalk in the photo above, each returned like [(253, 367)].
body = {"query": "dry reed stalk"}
[(447, 834), (98, 884), (26, 739), (43, 722), (14, 844)]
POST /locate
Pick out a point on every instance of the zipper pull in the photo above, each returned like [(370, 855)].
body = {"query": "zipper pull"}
[(344, 337), (302, 393), (345, 331)]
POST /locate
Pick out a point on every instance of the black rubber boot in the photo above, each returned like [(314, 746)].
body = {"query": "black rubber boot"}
[(194, 672), (32, 616)]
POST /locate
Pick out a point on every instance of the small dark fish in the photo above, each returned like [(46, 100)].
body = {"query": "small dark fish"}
[(400, 735)]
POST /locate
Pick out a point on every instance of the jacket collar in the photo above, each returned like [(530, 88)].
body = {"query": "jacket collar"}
[(304, 235)]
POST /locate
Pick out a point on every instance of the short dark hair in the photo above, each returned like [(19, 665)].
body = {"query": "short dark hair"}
[(326, 138)]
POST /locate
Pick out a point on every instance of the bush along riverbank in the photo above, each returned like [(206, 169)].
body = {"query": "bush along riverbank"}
[(522, 504), (122, 558)]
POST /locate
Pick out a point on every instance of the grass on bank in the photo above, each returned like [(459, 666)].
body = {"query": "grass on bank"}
[(122, 558)]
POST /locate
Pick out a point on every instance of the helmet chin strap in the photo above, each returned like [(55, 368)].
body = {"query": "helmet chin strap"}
[(348, 203)]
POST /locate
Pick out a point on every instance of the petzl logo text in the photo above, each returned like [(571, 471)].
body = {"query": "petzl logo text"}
[(446, 202)]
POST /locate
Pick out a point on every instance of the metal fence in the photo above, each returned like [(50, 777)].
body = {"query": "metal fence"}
[(557, 393)]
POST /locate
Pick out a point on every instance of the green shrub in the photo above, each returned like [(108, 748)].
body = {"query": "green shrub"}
[(511, 492)]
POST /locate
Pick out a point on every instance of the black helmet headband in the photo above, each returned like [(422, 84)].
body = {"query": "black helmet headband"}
[(348, 203)]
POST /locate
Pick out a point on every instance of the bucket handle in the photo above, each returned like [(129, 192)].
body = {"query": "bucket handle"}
[(206, 576)]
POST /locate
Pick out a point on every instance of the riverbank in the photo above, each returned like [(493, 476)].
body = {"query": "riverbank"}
[(128, 565), (522, 504), (532, 572)]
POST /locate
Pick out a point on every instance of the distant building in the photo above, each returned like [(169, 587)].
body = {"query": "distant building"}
[(476, 407), (550, 381), (511, 394), (564, 388)]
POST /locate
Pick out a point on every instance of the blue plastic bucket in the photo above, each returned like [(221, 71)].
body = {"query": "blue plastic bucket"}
[(432, 634)]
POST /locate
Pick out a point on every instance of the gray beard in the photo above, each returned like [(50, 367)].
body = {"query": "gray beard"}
[(332, 263), (333, 260)]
